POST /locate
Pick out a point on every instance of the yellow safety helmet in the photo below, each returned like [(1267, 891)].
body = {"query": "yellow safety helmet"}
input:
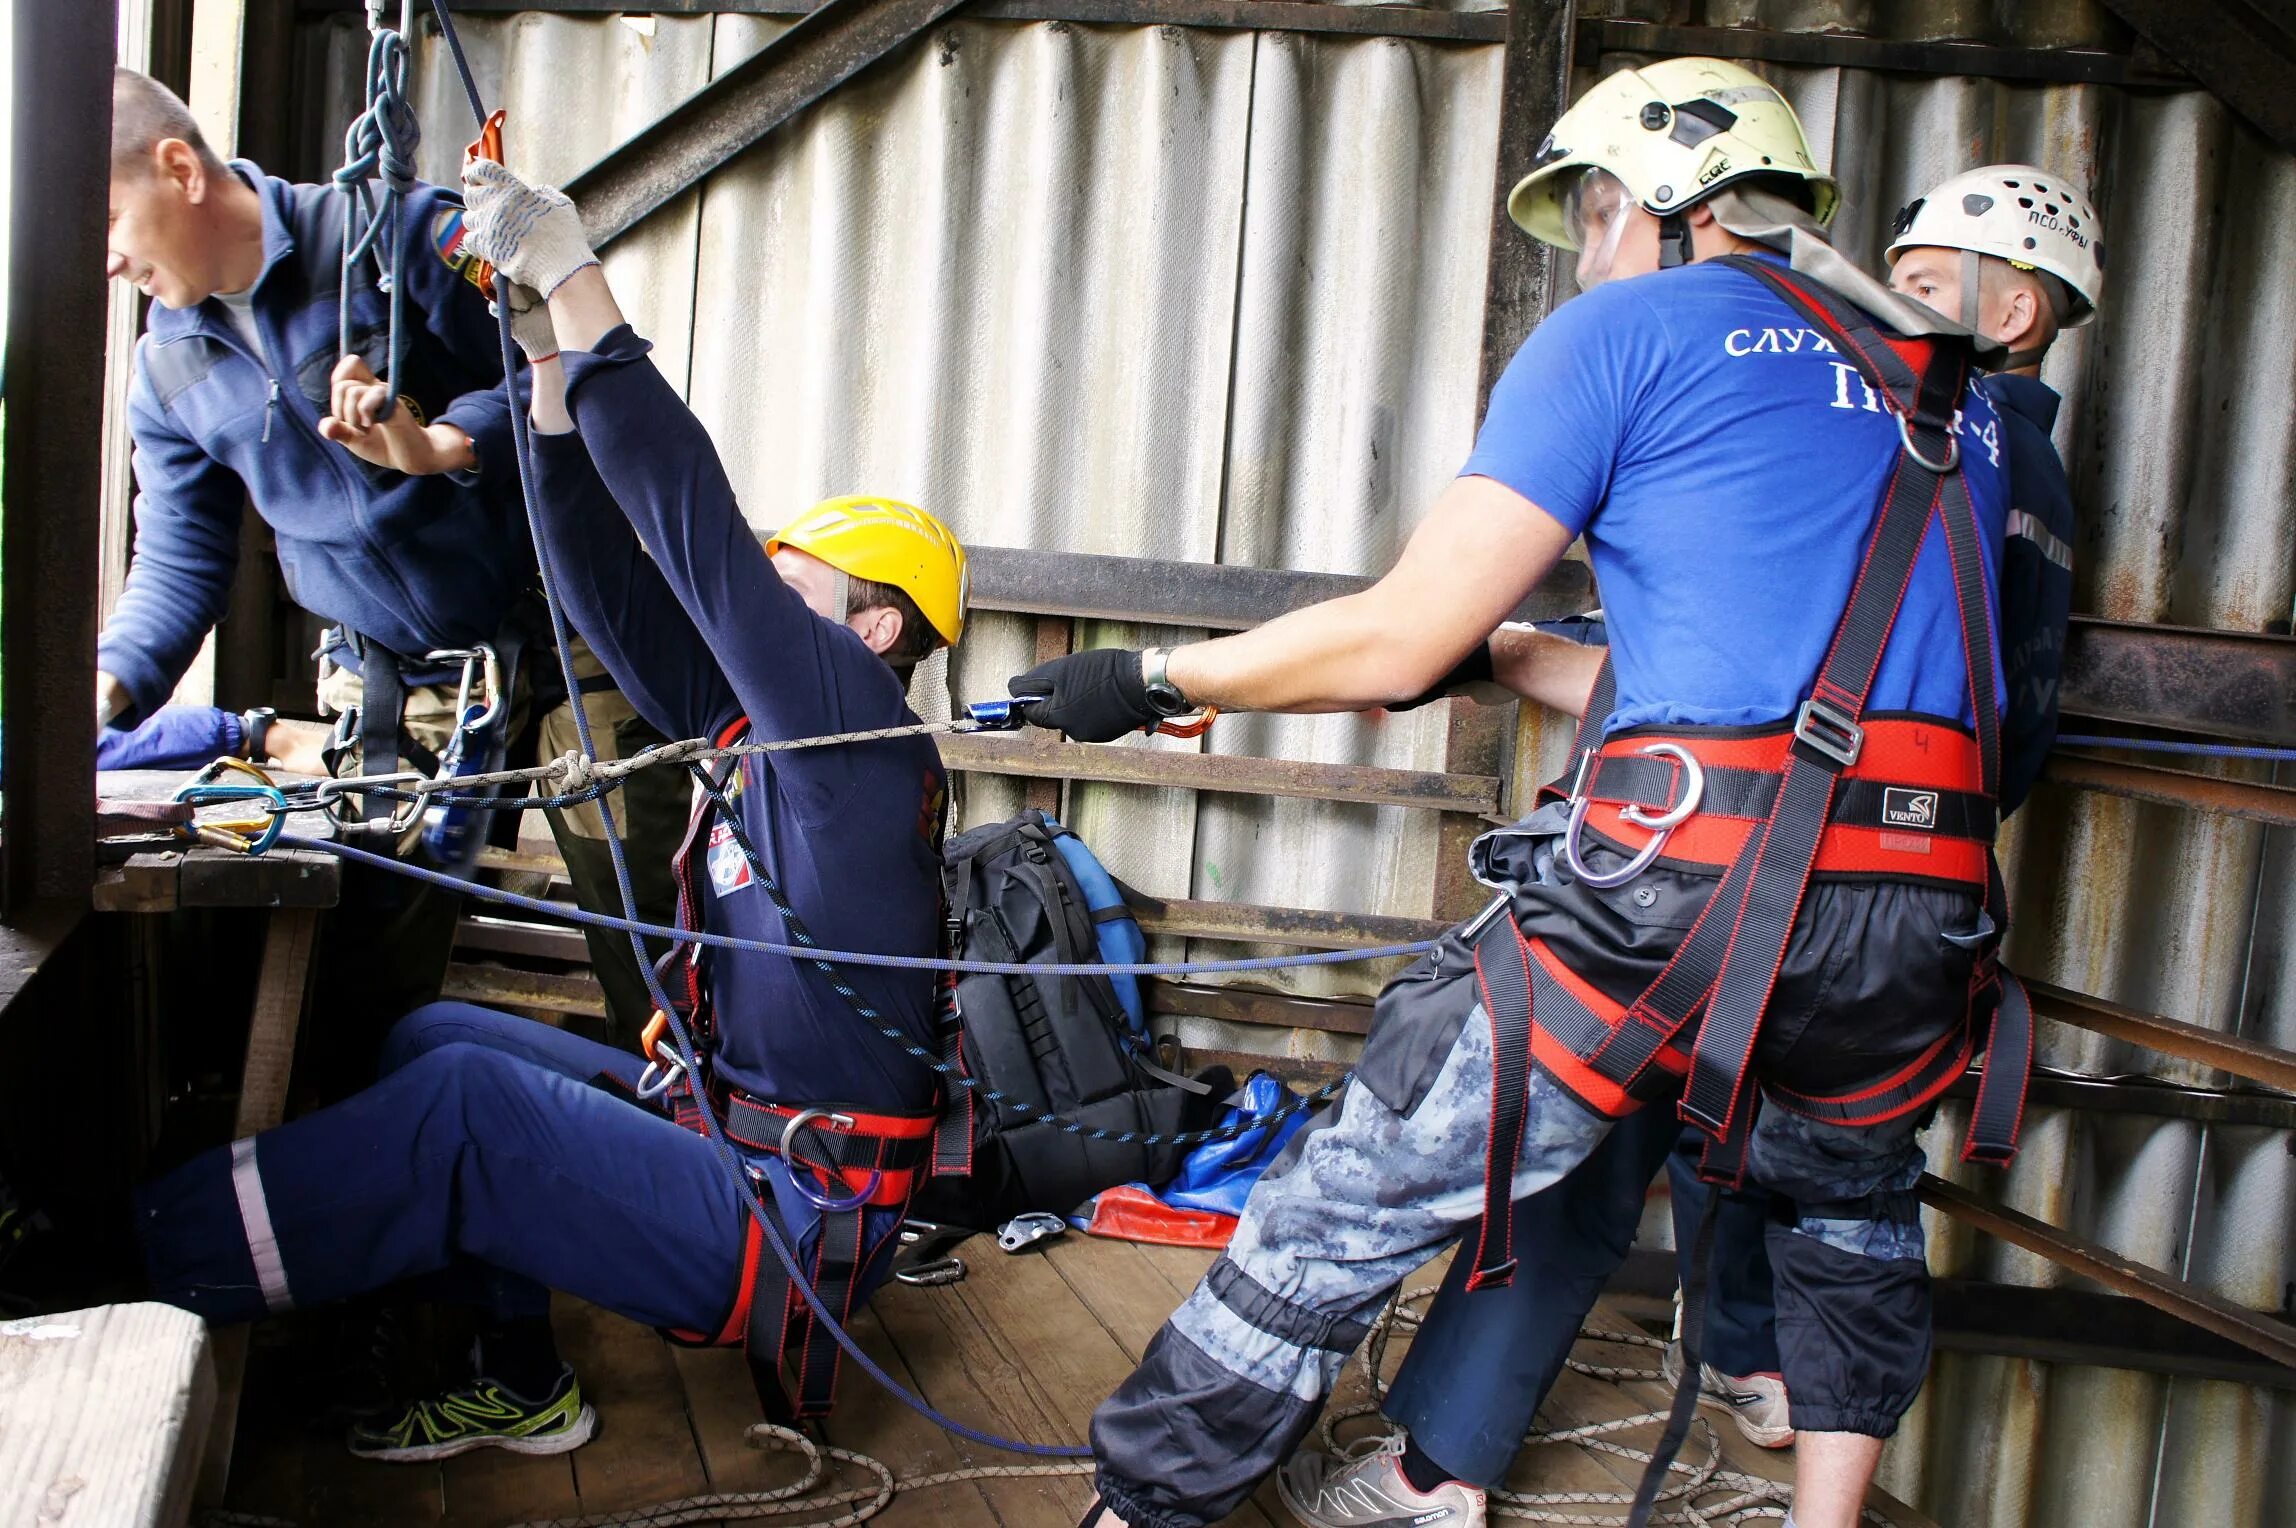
[(886, 542), (1673, 132)]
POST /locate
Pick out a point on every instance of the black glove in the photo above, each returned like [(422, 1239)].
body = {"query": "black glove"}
[(1475, 668), (1092, 697)]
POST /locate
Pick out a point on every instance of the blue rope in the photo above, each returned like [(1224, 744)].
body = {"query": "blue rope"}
[(380, 144), (713, 1129), (2172, 745)]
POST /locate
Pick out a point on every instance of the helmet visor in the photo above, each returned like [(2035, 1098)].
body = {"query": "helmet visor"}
[(1596, 210)]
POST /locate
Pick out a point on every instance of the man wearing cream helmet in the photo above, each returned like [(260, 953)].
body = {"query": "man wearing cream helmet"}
[(1686, 416)]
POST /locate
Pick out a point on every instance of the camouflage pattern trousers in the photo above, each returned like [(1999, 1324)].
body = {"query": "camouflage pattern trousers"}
[(1393, 1173)]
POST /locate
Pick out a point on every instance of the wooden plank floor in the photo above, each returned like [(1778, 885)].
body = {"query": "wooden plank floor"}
[(1024, 1345)]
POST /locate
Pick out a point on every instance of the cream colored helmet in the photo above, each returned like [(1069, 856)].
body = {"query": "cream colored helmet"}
[(1673, 133), (2033, 218)]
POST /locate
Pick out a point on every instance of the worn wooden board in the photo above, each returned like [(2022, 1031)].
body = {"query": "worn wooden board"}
[(107, 1412), (646, 1453)]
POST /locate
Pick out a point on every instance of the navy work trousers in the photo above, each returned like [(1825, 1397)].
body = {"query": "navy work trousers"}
[(485, 1155)]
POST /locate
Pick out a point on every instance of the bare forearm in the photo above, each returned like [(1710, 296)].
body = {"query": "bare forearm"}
[(548, 407), (583, 309), (1554, 671)]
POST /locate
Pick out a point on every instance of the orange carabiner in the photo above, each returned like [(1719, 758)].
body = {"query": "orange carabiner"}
[(1194, 727), (488, 145), (649, 1043)]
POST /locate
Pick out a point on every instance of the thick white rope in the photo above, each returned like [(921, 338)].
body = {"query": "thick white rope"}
[(1701, 1494)]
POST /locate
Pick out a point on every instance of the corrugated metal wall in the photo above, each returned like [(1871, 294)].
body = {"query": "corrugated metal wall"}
[(1203, 294)]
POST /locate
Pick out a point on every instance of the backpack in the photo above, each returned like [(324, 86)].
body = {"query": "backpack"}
[(1027, 889)]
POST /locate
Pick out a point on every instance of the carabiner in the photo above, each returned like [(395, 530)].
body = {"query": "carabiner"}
[(405, 817), (1661, 826), (197, 794), (827, 1204)]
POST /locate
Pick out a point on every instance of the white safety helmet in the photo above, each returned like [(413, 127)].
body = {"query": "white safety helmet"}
[(2033, 218), (1672, 133)]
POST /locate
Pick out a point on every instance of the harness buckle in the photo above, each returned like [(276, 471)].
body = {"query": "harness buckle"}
[(828, 1204), (1661, 826), (1828, 731)]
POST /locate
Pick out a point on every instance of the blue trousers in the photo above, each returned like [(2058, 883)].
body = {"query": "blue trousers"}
[(1482, 1363), (486, 1158)]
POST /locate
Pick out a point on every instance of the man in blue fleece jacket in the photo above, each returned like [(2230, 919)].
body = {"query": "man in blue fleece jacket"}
[(241, 392)]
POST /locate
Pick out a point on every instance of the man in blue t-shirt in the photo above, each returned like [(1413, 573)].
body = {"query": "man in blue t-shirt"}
[(1723, 460), (1478, 1369), (499, 1158)]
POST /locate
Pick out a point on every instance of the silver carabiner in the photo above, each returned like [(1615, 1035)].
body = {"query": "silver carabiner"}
[(652, 1086), (1661, 826), (828, 1204), (1952, 447)]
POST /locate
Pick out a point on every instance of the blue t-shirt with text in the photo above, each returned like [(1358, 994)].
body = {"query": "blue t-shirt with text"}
[(1725, 465)]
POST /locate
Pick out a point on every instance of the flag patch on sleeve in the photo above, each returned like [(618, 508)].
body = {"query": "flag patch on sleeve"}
[(447, 239)]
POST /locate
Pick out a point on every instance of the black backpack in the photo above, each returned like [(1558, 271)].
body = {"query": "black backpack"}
[(1027, 889)]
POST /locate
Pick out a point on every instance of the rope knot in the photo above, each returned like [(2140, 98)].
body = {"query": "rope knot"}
[(574, 773)]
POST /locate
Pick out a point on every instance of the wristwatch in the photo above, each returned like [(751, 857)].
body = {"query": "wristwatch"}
[(1164, 697), (257, 725)]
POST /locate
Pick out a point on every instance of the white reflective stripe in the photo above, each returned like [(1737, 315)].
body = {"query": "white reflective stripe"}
[(255, 1218), (2023, 524)]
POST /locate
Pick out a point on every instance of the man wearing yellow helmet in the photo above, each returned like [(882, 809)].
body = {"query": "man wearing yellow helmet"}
[(504, 1158), (1783, 812)]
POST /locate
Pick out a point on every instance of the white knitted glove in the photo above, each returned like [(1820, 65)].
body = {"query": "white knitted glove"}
[(529, 320), (531, 234)]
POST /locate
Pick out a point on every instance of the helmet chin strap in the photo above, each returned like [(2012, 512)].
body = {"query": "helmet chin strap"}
[(1674, 244)]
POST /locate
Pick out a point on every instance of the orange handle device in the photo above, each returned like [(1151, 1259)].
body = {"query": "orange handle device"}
[(1191, 728), (488, 145)]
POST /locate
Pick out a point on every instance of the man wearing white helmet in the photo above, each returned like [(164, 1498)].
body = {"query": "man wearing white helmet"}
[(1783, 811), (2016, 253)]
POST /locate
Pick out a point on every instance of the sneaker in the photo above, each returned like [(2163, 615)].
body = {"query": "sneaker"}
[(482, 1414), (1362, 1486), (1756, 1402)]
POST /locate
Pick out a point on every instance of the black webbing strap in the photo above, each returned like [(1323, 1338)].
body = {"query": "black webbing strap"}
[(1731, 791), (1600, 702), (1999, 1115), (1693, 1356), (767, 1331), (836, 1277), (382, 715), (1827, 732), (1503, 972)]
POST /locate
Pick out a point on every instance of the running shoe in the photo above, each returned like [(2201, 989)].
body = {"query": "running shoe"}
[(1756, 1402), (481, 1414), (1362, 1486)]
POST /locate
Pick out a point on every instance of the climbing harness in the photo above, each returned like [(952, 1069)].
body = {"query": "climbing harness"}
[(451, 834)]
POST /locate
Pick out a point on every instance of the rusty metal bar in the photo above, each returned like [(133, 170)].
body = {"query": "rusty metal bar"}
[(2090, 66), (51, 475), (2258, 1333), (2274, 805), (669, 156), (2171, 1037), (1220, 596), (1246, 924), (2223, 683), (1273, 1010), (1419, 23), (1373, 786)]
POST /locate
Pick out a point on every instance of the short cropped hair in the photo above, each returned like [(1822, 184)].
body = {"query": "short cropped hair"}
[(917, 639), (146, 113)]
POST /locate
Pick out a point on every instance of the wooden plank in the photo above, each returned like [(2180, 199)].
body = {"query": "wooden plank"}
[(1245, 923), (108, 1410), (871, 1420), (1055, 638), (501, 987), (1121, 764), (2171, 1037), (1341, 1016), (963, 1367), (646, 1452)]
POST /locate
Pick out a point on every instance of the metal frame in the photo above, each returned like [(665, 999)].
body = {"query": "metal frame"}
[(51, 476), (2049, 66), (2240, 49)]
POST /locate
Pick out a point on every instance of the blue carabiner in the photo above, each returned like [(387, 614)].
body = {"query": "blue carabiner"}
[(198, 794)]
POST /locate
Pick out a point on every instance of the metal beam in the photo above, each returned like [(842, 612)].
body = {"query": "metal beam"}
[(2225, 683), (2241, 50), (2254, 1331), (1419, 23), (1218, 596), (670, 156), (51, 473), (2274, 805), (1368, 784), (2171, 1037), (2086, 66)]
